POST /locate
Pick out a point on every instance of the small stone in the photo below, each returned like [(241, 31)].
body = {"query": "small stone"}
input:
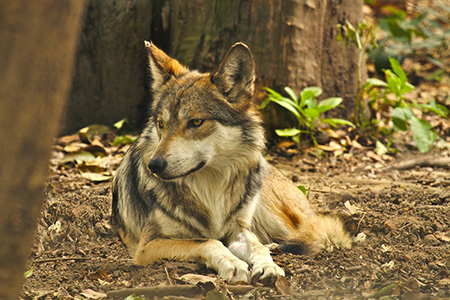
[(431, 240)]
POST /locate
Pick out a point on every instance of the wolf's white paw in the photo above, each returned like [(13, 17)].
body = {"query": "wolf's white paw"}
[(233, 270), (265, 271)]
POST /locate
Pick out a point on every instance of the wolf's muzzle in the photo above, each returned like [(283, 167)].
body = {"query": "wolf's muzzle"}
[(157, 165)]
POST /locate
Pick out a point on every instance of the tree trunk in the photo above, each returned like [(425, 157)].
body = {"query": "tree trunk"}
[(38, 41), (110, 79)]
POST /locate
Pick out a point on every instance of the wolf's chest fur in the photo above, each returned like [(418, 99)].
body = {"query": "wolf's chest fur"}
[(210, 201)]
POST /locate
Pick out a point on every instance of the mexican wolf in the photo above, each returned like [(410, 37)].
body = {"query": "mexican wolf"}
[(195, 185)]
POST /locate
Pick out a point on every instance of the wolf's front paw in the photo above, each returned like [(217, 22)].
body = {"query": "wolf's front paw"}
[(266, 272), (234, 270)]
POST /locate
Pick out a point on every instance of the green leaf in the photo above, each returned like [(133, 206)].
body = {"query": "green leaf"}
[(394, 82), (311, 113), (287, 104), (305, 96), (407, 87), (375, 82), (399, 118), (317, 91), (311, 103), (303, 189), (328, 104), (290, 132), (292, 94), (124, 127), (397, 31), (435, 61), (423, 134), (273, 93), (265, 103), (29, 272), (397, 68), (335, 122), (436, 108), (124, 139), (133, 297)]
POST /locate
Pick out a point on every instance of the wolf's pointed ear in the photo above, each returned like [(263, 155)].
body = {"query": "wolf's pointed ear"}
[(235, 75), (162, 67)]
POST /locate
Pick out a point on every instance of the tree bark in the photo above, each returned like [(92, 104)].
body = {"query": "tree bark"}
[(110, 79), (38, 41)]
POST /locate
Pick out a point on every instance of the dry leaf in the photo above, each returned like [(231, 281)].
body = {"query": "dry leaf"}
[(445, 237), (374, 156), (331, 133), (88, 133), (360, 238), (97, 177), (352, 209), (286, 144), (68, 139), (77, 157), (74, 147), (196, 278), (283, 287), (88, 293), (96, 150), (101, 274), (331, 147)]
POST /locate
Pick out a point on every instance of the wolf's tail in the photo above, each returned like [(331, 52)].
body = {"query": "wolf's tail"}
[(322, 232)]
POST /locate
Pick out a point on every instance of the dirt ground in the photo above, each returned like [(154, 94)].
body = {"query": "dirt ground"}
[(403, 213)]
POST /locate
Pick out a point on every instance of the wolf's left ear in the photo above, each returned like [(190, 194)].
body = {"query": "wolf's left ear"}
[(235, 75), (162, 67)]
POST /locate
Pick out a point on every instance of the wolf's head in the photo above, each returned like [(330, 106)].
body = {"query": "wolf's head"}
[(203, 120)]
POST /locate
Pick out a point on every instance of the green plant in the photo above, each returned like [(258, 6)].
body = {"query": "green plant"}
[(423, 31), (307, 110), (392, 92), (362, 36), (406, 36)]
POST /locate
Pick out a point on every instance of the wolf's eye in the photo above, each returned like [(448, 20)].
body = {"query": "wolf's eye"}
[(160, 124), (195, 123)]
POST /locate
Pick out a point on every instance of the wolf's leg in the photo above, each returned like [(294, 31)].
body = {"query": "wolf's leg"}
[(246, 246), (211, 252)]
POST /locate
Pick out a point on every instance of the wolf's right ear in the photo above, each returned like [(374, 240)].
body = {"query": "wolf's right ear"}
[(235, 75), (162, 67)]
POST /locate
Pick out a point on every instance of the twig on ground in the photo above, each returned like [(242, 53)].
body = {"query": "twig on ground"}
[(174, 290), (168, 277), (38, 261), (421, 162)]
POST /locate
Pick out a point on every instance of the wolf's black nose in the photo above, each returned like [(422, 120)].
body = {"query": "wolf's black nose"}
[(157, 165)]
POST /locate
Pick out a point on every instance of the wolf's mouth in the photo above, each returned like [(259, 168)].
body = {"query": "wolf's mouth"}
[(198, 167)]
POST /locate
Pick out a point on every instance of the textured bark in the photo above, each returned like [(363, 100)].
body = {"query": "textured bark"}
[(38, 41), (111, 66)]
